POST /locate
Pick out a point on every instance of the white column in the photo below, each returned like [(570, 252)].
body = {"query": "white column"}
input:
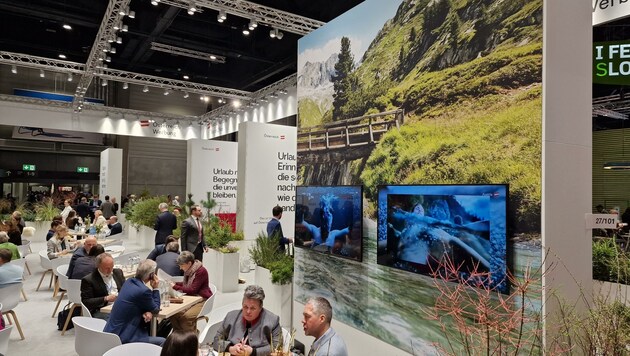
[(110, 178)]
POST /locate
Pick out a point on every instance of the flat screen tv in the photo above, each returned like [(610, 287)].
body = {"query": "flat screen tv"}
[(328, 219), (422, 226)]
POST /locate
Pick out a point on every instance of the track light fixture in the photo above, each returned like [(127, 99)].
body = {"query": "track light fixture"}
[(279, 34), (123, 11), (246, 31), (119, 40), (166, 92), (110, 39), (125, 85), (192, 8), (132, 14), (154, 2), (186, 95), (112, 50), (145, 89), (41, 73), (70, 77), (67, 27), (252, 24), (104, 82), (222, 16), (14, 69), (125, 28), (275, 33), (107, 48), (108, 59), (186, 77), (117, 25)]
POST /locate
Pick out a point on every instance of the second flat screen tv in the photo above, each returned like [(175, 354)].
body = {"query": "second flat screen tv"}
[(328, 219), (421, 226)]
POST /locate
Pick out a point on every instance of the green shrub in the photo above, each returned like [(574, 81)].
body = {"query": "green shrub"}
[(218, 233), (46, 211), (144, 212), (610, 264), (265, 254)]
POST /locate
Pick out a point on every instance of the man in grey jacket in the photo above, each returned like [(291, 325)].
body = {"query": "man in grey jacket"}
[(316, 320)]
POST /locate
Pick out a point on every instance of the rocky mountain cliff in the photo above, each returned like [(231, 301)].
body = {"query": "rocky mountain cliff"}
[(317, 74)]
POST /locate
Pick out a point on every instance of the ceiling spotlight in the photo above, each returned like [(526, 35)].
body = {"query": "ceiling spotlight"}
[(192, 8), (112, 50), (273, 95), (117, 25), (119, 40), (154, 2), (108, 59), (222, 16), (104, 82), (253, 24), (283, 91), (220, 100), (69, 77), (167, 91), (213, 57), (236, 103), (110, 39), (104, 66), (279, 34), (125, 85), (186, 77), (145, 89), (41, 73), (206, 99), (14, 69), (273, 32), (186, 95), (125, 28), (67, 27), (202, 97), (246, 31), (106, 48), (132, 14)]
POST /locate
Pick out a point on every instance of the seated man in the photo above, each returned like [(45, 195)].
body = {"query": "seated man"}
[(167, 262), (114, 226), (316, 322), (245, 331), (83, 251), (4, 243), (161, 248), (137, 301), (97, 288), (9, 273), (86, 264)]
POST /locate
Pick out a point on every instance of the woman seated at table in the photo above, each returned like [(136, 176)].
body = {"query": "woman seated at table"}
[(72, 220), (249, 330), (195, 283), (60, 244)]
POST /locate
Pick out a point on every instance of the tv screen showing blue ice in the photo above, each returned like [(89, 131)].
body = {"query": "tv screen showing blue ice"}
[(328, 220), (421, 227)]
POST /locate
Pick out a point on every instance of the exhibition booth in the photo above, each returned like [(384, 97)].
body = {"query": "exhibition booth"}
[(428, 133)]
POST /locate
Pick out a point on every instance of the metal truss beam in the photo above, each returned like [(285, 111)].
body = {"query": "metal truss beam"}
[(210, 57), (105, 31), (276, 87), (53, 65), (269, 16), (181, 5)]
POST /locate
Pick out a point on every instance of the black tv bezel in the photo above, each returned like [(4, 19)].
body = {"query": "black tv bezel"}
[(509, 261), (361, 249)]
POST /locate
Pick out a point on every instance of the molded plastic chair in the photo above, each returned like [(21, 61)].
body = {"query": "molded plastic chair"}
[(90, 339), (25, 250), (4, 339), (167, 277), (85, 311), (286, 340), (47, 266), (63, 284), (56, 262), (9, 298), (205, 311), (135, 348), (207, 334), (21, 262), (74, 297)]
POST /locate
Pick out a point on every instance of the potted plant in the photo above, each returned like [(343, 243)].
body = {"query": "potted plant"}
[(44, 213), (223, 263), (143, 215)]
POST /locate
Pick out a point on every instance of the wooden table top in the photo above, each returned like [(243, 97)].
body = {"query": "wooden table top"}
[(172, 309)]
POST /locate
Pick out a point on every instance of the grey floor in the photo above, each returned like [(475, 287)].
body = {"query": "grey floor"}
[(40, 329)]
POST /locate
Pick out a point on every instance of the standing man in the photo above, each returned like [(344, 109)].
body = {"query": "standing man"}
[(83, 210), (316, 320), (274, 228), (165, 224), (107, 208), (99, 287), (192, 233)]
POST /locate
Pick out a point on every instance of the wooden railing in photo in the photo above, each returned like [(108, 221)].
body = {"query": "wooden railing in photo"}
[(354, 132)]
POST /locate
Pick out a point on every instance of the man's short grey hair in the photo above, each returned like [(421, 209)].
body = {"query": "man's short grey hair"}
[(173, 247), (321, 306), (254, 292), (3, 237), (184, 257), (114, 217), (99, 259), (163, 206), (145, 269)]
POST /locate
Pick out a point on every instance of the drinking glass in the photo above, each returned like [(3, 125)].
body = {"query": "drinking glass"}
[(204, 350)]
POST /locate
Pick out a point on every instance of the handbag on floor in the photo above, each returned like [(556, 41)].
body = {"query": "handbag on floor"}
[(61, 317)]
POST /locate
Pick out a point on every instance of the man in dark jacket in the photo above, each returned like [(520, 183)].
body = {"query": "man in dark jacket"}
[(97, 288), (165, 224)]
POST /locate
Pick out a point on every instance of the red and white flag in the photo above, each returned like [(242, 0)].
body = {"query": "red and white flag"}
[(144, 123), (282, 137)]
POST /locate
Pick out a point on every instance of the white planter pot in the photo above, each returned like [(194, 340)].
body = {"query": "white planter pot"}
[(278, 298), (132, 232), (41, 229), (146, 237), (222, 269), (210, 259), (122, 219), (612, 291)]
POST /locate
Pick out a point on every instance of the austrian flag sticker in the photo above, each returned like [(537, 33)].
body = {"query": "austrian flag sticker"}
[(144, 123), (282, 137)]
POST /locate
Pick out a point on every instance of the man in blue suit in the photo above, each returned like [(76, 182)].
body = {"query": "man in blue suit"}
[(135, 305), (164, 225), (274, 228)]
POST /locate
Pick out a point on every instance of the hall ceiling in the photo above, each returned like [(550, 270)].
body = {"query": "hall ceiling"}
[(35, 27)]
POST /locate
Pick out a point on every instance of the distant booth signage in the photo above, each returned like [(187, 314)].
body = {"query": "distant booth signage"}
[(611, 61)]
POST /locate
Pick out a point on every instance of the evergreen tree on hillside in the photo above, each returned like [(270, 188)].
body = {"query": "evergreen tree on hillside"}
[(341, 80)]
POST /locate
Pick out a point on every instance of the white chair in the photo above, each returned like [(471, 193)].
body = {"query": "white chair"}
[(286, 340), (85, 311), (25, 250), (205, 311), (74, 297), (116, 250), (167, 277), (207, 334), (47, 266), (4, 339), (115, 243), (9, 298), (56, 262), (63, 284), (90, 339), (21, 262), (135, 348)]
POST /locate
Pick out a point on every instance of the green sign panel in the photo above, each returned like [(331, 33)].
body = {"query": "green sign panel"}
[(611, 61), (28, 167), (83, 170)]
